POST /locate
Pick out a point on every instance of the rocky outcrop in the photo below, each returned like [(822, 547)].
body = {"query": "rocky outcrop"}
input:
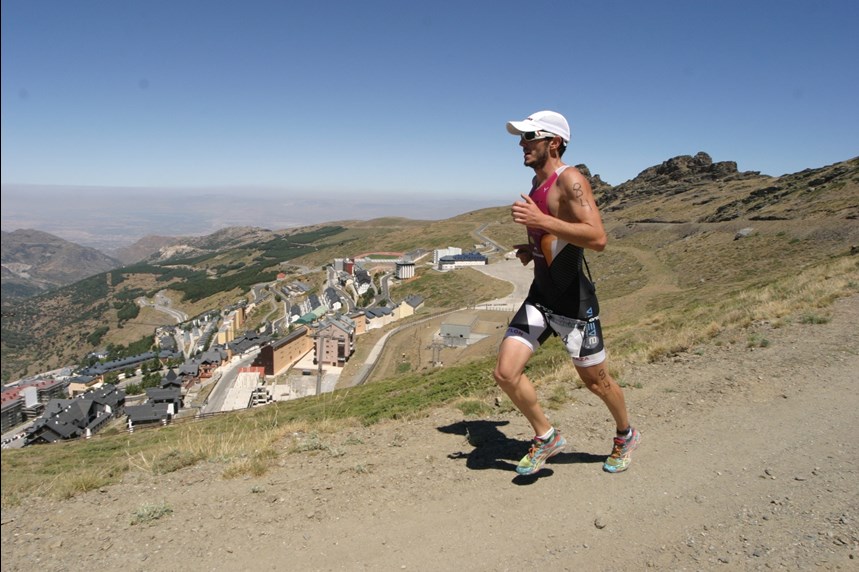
[(676, 175), (687, 169), (597, 185), (825, 191)]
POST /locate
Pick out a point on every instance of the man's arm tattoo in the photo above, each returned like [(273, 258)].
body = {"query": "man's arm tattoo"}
[(578, 193)]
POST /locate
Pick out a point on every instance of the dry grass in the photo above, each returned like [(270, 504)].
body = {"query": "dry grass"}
[(783, 302), (250, 443), (659, 307), (796, 300), (149, 512), (247, 443)]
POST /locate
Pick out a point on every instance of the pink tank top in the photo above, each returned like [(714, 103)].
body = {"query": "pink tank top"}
[(543, 245)]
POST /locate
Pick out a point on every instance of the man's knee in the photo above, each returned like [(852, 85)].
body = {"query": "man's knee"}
[(504, 377), (512, 358)]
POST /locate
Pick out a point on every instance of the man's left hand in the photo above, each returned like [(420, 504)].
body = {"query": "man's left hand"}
[(526, 212)]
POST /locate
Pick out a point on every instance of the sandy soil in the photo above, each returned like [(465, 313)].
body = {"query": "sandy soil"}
[(748, 461)]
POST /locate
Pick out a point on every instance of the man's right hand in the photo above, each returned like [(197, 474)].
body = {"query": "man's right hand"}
[(523, 253)]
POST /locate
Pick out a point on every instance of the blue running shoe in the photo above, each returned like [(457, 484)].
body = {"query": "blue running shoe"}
[(621, 453), (541, 451)]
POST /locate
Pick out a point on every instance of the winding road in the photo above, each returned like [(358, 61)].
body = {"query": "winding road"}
[(163, 304)]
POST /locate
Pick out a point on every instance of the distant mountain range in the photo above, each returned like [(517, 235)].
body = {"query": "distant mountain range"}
[(34, 262)]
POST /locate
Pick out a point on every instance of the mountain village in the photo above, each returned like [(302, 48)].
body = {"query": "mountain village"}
[(214, 354)]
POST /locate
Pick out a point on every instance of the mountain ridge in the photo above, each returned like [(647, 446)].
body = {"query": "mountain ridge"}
[(811, 211), (717, 192), (764, 197)]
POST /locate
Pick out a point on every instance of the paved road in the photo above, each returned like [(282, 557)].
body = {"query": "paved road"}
[(163, 304), (511, 271)]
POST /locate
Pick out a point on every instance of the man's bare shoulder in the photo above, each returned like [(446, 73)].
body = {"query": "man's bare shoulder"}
[(572, 178)]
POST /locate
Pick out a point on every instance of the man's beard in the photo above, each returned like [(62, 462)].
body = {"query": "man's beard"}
[(538, 161)]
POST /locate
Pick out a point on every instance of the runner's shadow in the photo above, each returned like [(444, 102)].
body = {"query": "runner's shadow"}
[(492, 449), (495, 450)]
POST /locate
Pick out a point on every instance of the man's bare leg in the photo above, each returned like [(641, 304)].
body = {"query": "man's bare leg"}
[(510, 377), (598, 380)]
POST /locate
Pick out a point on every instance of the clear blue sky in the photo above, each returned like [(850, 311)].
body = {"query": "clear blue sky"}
[(412, 97)]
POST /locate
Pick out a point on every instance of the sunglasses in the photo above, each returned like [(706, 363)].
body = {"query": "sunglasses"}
[(535, 135)]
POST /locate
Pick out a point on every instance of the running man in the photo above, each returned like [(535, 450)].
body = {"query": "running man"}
[(562, 219)]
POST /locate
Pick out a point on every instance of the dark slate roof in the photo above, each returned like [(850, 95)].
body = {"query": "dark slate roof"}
[(167, 383), (169, 354), (107, 394), (465, 256), (331, 295), (54, 406), (55, 429), (147, 413), (68, 418), (103, 368), (213, 356), (190, 368), (102, 417), (414, 300), (164, 394), (470, 256), (362, 277), (78, 410), (245, 343), (377, 311)]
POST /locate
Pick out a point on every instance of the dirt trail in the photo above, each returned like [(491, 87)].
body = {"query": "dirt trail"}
[(748, 462)]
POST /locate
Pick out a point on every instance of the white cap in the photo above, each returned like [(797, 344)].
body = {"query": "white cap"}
[(542, 121)]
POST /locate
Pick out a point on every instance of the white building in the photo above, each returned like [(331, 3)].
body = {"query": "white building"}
[(405, 269), (462, 260), (440, 253)]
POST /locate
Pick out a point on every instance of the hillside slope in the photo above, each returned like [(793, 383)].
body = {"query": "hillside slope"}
[(747, 459), (694, 189), (747, 463), (686, 211), (35, 262)]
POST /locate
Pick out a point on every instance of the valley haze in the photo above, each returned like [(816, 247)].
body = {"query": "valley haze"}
[(110, 218)]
